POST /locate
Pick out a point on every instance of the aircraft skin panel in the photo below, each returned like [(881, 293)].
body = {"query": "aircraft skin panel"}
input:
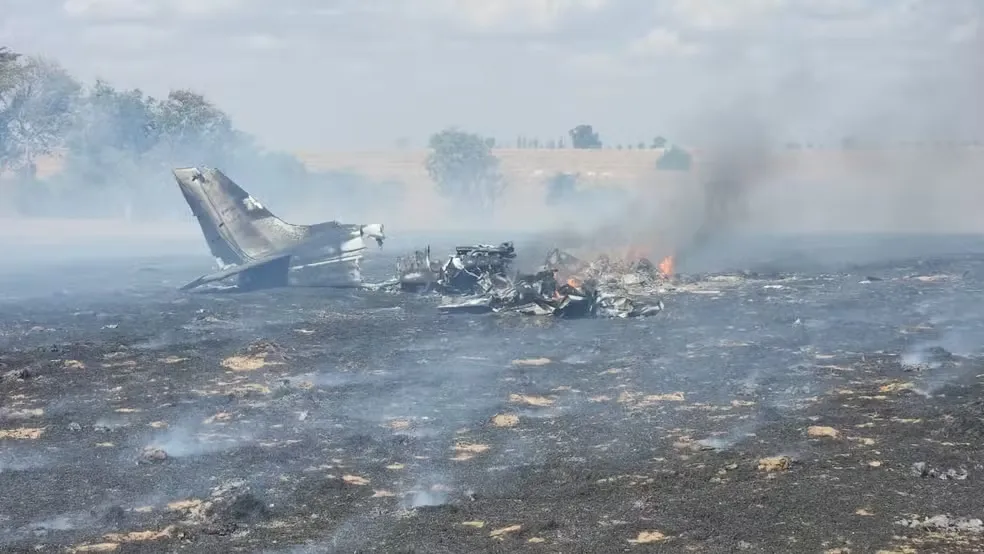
[(232, 208), (218, 244), (239, 205)]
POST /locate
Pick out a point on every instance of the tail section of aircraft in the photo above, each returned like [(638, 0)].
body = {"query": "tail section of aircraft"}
[(252, 243), (251, 210), (225, 252), (238, 228)]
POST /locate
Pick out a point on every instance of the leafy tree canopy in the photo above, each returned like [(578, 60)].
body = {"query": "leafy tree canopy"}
[(584, 137), (464, 169)]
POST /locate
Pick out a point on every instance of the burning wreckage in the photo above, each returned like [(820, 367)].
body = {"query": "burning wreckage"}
[(261, 250), (480, 279)]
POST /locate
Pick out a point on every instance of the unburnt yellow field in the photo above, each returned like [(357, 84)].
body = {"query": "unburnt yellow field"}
[(631, 168)]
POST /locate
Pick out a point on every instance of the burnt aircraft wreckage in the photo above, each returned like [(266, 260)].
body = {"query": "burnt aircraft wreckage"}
[(260, 249), (460, 274), (480, 279)]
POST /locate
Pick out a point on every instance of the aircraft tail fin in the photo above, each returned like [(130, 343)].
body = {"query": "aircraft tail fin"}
[(238, 228), (252, 209)]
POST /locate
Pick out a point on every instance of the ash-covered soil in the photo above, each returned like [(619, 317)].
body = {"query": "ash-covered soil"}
[(773, 412)]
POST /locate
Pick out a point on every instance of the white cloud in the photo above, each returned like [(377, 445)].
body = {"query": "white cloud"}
[(110, 9), (506, 15), (263, 41), (530, 63), (662, 42), (202, 8), (134, 36), (722, 15), (965, 32), (146, 9)]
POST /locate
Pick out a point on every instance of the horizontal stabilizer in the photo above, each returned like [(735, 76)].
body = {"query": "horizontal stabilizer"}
[(264, 273)]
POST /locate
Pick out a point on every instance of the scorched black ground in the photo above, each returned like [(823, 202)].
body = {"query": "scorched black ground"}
[(794, 410)]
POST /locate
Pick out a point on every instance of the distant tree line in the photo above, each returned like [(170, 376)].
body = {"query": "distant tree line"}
[(116, 147), (585, 137), (466, 171)]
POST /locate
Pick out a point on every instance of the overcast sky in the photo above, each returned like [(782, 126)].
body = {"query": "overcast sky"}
[(315, 74)]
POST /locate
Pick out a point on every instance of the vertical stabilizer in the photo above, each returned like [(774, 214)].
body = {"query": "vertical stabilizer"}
[(237, 227)]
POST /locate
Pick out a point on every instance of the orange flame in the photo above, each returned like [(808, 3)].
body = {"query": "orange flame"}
[(666, 266), (574, 282)]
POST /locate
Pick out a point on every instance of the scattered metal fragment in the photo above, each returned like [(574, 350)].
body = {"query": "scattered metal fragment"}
[(920, 469), (944, 523)]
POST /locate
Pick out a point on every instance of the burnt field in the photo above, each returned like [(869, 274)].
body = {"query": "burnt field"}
[(800, 407)]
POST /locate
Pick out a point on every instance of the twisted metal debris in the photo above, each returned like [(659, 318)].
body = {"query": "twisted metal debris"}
[(480, 279)]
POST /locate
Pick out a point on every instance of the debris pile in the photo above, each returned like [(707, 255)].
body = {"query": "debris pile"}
[(460, 274), (632, 275), (595, 289)]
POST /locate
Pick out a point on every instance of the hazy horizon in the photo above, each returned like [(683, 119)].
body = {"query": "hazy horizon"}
[(305, 75)]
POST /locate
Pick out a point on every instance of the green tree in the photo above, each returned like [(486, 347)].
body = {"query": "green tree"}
[(124, 120), (659, 142), (464, 169), (10, 69), (113, 132), (192, 129), (37, 97), (675, 159), (118, 146), (584, 137), (10, 75), (562, 186), (41, 109)]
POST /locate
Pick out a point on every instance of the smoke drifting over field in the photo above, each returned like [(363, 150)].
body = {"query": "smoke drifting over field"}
[(899, 152)]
